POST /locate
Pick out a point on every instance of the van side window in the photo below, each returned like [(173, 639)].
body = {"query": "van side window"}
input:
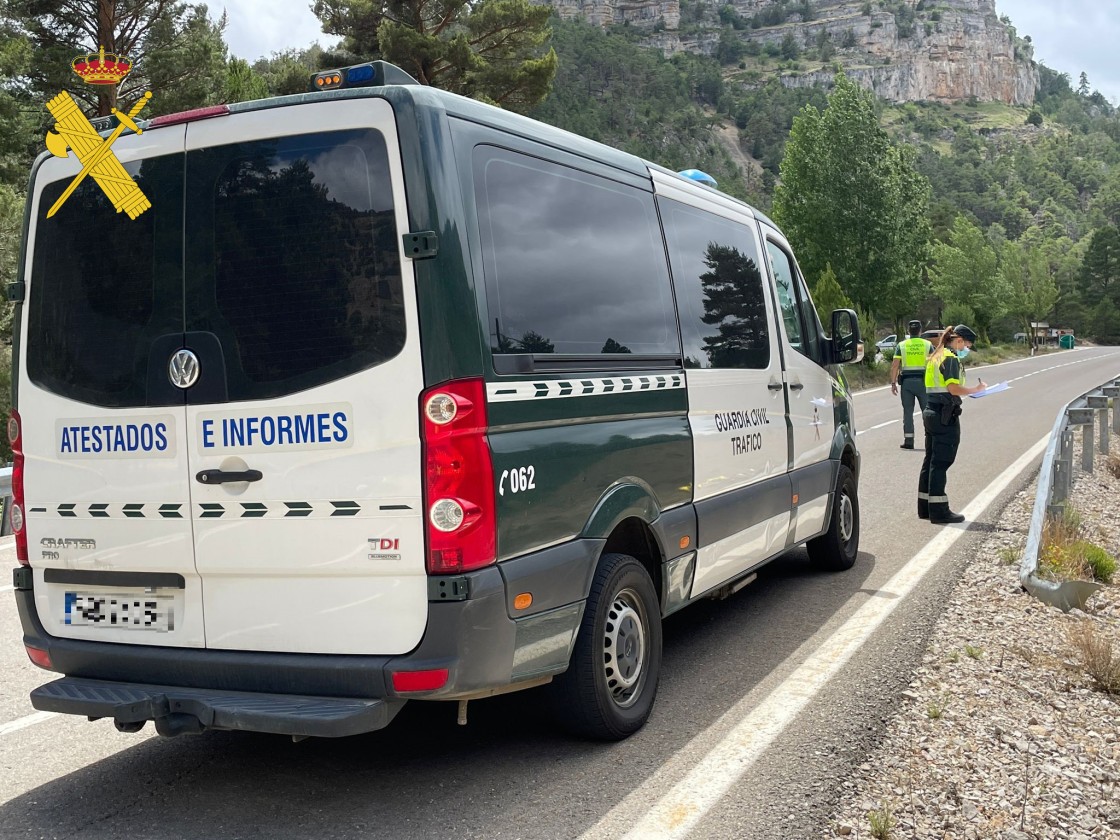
[(787, 295), (810, 319), (574, 263), (719, 289)]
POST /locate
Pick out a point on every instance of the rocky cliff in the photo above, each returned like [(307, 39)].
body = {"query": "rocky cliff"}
[(660, 13), (904, 50)]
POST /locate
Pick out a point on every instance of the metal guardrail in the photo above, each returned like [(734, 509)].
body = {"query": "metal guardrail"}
[(1055, 483)]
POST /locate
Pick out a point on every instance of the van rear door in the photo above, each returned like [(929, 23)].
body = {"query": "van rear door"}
[(107, 499), (304, 436)]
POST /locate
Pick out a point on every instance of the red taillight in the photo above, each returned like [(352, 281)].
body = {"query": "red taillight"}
[(459, 478), (419, 680), (190, 116), (18, 513), (41, 658)]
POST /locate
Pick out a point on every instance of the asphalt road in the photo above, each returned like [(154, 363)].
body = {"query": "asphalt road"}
[(508, 774)]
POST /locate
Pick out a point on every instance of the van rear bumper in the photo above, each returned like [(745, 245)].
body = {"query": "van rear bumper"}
[(482, 647), (177, 710)]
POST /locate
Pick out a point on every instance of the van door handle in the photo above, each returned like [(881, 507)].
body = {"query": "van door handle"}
[(796, 386), (775, 386), (221, 476)]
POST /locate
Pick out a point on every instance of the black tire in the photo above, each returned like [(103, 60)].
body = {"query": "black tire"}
[(601, 696), (836, 549)]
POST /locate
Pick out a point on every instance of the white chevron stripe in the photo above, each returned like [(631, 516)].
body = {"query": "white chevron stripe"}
[(551, 389), (273, 509)]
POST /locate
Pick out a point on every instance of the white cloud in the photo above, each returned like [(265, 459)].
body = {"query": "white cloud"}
[(258, 28), (1072, 36)]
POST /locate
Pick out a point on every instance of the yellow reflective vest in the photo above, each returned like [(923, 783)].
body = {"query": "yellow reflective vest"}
[(913, 353), (940, 376)]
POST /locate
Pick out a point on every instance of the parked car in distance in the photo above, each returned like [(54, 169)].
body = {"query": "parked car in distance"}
[(887, 344), (932, 335)]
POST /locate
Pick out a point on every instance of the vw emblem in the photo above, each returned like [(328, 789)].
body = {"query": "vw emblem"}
[(183, 369)]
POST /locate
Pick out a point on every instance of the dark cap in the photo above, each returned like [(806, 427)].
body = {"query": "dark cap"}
[(965, 332), (914, 327)]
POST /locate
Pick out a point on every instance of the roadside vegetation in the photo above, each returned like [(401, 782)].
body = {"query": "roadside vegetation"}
[(882, 821), (1097, 656), (1067, 553)]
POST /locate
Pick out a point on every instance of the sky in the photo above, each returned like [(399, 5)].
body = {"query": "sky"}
[(1072, 36), (1069, 36)]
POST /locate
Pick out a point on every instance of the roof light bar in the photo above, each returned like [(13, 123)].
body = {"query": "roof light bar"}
[(370, 74)]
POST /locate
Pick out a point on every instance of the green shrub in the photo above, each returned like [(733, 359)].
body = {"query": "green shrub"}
[(1102, 564), (1059, 558)]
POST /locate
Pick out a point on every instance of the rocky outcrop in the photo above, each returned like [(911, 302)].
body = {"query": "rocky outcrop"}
[(948, 50), (659, 13)]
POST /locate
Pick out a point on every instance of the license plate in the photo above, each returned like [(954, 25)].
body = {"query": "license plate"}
[(124, 612)]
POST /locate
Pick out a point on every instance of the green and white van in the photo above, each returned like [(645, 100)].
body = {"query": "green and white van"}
[(395, 395)]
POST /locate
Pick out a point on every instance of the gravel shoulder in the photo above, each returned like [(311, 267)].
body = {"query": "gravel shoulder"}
[(1000, 734)]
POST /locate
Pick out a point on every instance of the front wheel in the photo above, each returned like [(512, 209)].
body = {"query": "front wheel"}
[(608, 690), (835, 550)]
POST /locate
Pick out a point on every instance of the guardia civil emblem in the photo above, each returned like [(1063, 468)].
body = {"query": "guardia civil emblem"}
[(73, 131)]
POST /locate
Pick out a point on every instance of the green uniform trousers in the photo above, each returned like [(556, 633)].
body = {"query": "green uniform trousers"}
[(911, 389)]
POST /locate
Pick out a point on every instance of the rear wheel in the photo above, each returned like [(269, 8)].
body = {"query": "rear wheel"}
[(609, 687), (835, 550)]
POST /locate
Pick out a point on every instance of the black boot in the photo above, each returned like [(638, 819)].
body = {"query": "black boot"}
[(907, 445), (947, 518), (923, 509)]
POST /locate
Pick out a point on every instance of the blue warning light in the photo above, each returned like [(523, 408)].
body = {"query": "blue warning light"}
[(697, 175), (361, 73)]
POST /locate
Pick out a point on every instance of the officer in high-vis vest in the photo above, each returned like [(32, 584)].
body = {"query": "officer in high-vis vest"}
[(908, 375), (945, 385)]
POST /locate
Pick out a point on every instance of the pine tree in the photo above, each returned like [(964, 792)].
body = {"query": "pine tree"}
[(177, 52), (827, 295), (1100, 270), (288, 71), (491, 50), (243, 83)]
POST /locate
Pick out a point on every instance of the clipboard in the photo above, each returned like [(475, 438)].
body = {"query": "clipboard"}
[(991, 389)]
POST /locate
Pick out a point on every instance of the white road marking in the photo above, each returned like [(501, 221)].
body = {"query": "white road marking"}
[(754, 727), (6, 588), (881, 425), (24, 722), (982, 368)]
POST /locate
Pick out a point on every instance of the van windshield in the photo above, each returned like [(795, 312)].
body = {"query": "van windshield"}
[(281, 253)]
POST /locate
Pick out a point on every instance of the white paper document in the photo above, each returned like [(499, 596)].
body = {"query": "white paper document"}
[(991, 389)]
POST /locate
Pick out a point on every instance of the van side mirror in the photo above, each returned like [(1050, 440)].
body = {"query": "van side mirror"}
[(847, 346)]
